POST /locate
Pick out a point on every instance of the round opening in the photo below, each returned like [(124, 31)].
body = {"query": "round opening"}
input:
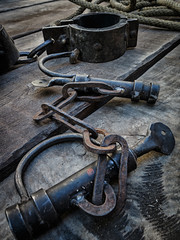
[(163, 132), (98, 20)]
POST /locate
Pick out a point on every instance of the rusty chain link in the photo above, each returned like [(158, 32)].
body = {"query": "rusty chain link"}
[(75, 91)]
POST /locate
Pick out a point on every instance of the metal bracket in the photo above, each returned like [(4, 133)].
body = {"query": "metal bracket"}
[(100, 37)]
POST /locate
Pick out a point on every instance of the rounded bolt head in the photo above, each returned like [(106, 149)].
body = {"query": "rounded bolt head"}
[(97, 46)]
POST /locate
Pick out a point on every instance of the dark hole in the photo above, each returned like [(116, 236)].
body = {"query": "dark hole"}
[(163, 132), (98, 21)]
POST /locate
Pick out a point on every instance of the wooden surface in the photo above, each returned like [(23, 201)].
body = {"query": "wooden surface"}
[(20, 101)]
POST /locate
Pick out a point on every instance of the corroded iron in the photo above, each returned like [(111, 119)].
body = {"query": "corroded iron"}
[(9, 54), (98, 90), (42, 209), (123, 168), (100, 37), (72, 120), (8, 51), (90, 146), (97, 210)]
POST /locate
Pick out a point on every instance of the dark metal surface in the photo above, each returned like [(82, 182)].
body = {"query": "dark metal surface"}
[(23, 58), (88, 89), (8, 51), (161, 139), (40, 49), (50, 109), (135, 91), (9, 55), (33, 54), (53, 56), (100, 37), (25, 219), (84, 87)]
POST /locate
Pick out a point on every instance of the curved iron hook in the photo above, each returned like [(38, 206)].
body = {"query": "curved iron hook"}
[(97, 210), (73, 56)]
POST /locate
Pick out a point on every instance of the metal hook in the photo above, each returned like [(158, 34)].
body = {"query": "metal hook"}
[(101, 210)]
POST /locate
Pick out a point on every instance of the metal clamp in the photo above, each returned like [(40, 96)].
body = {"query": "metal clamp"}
[(90, 146), (100, 37)]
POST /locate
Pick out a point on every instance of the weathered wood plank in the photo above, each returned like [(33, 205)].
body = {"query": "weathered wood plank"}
[(16, 5), (31, 18), (151, 60)]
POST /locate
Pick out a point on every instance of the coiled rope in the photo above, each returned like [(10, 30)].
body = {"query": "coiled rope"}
[(128, 9)]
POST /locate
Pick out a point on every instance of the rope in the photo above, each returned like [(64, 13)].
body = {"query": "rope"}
[(153, 7), (143, 20), (119, 6), (157, 12), (77, 12), (169, 3)]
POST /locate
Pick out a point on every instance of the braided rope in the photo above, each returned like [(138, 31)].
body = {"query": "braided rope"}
[(153, 7), (139, 4), (169, 3), (157, 12), (125, 8), (144, 20), (77, 12)]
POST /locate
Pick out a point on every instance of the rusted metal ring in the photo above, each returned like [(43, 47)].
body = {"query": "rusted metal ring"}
[(100, 210), (113, 138), (90, 146)]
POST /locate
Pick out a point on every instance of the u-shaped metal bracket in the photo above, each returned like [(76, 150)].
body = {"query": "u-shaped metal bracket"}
[(97, 210)]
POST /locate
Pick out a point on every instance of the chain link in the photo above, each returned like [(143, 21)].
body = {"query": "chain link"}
[(70, 92)]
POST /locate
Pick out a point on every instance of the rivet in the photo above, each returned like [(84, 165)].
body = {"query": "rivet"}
[(97, 46)]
